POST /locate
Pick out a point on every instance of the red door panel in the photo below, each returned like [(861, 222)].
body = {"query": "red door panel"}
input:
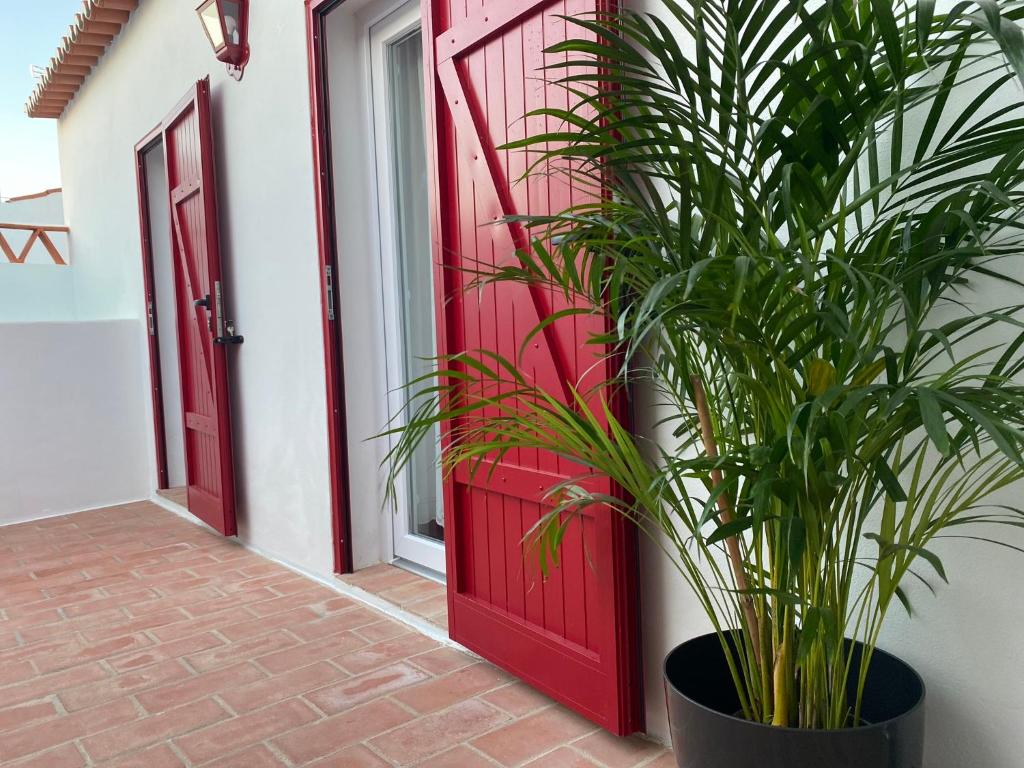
[(574, 635), (188, 151)]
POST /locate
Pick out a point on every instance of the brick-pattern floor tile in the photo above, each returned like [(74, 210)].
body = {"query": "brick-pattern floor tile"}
[(44, 685), (335, 623), (352, 757), (615, 752), (563, 757), (90, 694), (50, 733), (230, 735), (64, 756), (130, 638), (247, 649), (253, 757), (442, 692), (199, 686), (77, 653), (347, 693), (354, 725), (431, 734), (280, 687), (532, 736), (442, 660), (459, 757), (381, 654), (153, 729), (173, 650), (517, 699), (23, 714), (15, 672), (307, 653), (159, 756), (381, 630)]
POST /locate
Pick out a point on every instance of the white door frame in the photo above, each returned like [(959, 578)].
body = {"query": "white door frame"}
[(396, 25)]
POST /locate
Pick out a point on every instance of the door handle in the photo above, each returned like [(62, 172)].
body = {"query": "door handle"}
[(204, 302)]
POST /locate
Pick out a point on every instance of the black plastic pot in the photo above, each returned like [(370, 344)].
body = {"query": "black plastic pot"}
[(702, 703)]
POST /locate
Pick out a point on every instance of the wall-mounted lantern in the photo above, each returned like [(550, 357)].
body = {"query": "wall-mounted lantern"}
[(227, 26)]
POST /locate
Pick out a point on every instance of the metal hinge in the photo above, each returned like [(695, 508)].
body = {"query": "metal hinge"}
[(329, 287), (150, 318)]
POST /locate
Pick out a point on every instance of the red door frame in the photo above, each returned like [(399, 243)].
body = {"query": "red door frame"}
[(632, 718), (323, 191), (147, 143)]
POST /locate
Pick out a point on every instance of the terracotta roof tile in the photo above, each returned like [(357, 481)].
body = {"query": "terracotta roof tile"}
[(84, 44)]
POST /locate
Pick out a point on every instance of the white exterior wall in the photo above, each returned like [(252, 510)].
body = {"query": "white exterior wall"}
[(268, 241), (44, 209), (38, 289), (962, 642), (69, 395)]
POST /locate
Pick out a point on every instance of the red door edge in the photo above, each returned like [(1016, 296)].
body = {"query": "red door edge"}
[(341, 523), (145, 144)]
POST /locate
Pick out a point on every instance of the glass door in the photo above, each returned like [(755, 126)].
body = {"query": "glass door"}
[(396, 69)]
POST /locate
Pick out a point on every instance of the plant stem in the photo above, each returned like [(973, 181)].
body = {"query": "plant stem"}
[(753, 623), (782, 680)]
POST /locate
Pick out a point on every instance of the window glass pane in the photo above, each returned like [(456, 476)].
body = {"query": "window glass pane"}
[(415, 267), (231, 21), (211, 20)]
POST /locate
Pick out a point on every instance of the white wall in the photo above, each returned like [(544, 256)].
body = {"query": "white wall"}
[(69, 395), (35, 292), (37, 289), (268, 238), (46, 208)]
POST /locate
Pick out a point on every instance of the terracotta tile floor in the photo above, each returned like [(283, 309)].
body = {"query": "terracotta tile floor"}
[(177, 495), (409, 591), (130, 637)]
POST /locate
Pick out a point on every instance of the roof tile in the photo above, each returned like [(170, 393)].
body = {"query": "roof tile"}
[(84, 44)]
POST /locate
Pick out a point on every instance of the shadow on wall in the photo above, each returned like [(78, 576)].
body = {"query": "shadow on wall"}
[(232, 291)]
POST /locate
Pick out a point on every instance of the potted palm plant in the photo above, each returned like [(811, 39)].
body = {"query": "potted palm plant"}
[(798, 205)]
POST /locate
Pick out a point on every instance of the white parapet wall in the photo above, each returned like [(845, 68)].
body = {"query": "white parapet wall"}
[(71, 417), (38, 289)]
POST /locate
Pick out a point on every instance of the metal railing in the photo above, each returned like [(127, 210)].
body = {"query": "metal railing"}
[(38, 233)]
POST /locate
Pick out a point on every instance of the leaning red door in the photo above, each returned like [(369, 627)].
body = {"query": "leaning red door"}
[(574, 635), (188, 151)]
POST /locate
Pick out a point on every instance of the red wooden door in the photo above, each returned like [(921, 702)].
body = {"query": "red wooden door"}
[(573, 636), (188, 152)]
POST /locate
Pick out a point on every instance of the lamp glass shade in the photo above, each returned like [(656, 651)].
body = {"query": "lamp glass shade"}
[(232, 14), (210, 16)]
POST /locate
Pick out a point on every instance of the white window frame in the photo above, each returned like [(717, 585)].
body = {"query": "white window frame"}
[(399, 23)]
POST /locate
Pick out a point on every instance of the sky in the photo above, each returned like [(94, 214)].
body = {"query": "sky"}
[(29, 33)]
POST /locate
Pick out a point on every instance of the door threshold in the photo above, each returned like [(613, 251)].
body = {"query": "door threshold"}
[(404, 590), (420, 570), (178, 495)]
